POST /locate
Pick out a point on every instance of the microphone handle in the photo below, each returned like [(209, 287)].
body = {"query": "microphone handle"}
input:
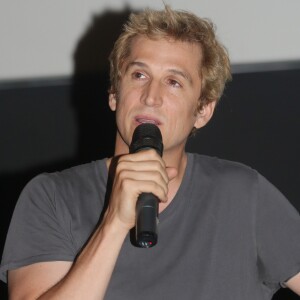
[(146, 220)]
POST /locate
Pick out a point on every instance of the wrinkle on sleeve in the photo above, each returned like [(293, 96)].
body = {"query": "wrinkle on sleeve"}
[(36, 232), (278, 235)]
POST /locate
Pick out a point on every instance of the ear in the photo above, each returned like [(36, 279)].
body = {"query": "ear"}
[(112, 102), (205, 114)]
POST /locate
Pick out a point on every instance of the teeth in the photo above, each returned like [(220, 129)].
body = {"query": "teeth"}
[(147, 121)]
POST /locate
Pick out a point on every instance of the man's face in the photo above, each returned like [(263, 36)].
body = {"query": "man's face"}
[(160, 84)]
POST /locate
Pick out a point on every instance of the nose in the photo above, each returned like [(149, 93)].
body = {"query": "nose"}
[(152, 94)]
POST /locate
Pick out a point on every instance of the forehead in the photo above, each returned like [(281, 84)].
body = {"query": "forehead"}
[(166, 52)]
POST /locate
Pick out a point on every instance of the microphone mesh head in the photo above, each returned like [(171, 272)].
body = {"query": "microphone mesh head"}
[(145, 136)]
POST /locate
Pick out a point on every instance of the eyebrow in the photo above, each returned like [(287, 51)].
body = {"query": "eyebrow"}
[(135, 63), (181, 73)]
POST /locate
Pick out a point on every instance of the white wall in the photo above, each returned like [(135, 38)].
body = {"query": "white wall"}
[(38, 38)]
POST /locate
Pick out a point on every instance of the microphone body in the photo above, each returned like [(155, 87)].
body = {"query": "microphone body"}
[(146, 136)]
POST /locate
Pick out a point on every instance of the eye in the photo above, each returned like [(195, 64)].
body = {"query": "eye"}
[(174, 83), (138, 75)]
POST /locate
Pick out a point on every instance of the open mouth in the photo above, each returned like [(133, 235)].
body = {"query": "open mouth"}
[(147, 120)]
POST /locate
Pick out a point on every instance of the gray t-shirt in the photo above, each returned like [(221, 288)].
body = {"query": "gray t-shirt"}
[(227, 234)]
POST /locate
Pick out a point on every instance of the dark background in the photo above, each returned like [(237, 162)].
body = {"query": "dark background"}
[(51, 124)]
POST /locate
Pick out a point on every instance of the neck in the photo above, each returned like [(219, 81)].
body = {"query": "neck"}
[(178, 160)]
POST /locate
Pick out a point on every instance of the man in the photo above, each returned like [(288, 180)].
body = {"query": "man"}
[(218, 219)]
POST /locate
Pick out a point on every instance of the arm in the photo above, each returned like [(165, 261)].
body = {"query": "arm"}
[(89, 276), (294, 284)]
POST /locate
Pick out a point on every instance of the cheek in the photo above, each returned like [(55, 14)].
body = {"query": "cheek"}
[(183, 111), (124, 112), (127, 98), (182, 120)]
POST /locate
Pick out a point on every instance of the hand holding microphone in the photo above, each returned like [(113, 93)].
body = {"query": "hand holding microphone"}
[(140, 182)]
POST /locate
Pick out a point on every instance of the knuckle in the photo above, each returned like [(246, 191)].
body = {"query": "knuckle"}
[(158, 188), (157, 165), (121, 167), (122, 174), (126, 183), (158, 176), (121, 164)]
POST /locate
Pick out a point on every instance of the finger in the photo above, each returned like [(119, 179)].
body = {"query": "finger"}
[(143, 155), (143, 166), (148, 176), (136, 188)]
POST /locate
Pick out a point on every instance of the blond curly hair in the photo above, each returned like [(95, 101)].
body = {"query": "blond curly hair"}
[(181, 26)]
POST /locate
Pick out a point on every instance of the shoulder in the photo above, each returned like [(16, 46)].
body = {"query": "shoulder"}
[(79, 178), (68, 201), (235, 178), (70, 185), (81, 175), (222, 170)]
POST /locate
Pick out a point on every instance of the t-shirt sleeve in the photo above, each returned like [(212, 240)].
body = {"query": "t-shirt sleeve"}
[(278, 235), (39, 229)]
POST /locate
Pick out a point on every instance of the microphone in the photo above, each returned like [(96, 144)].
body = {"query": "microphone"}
[(146, 136)]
